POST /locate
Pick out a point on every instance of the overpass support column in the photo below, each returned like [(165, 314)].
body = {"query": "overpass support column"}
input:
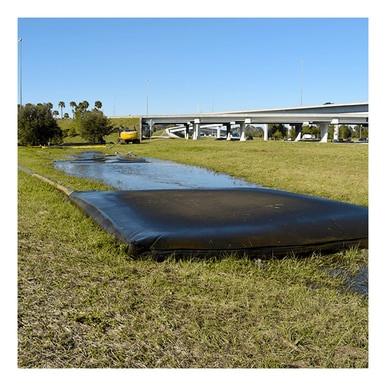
[(323, 132), (218, 134), (229, 134), (150, 128), (196, 129), (187, 130), (335, 122), (242, 129), (298, 131), (265, 131), (288, 127), (191, 128), (336, 133)]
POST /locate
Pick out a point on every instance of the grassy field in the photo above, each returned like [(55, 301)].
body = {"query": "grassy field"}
[(83, 302), (337, 171), (67, 124)]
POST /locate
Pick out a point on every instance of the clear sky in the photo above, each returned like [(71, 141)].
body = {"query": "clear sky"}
[(191, 65)]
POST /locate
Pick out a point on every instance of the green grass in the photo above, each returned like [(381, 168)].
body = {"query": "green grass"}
[(131, 122), (67, 124), (160, 132), (77, 139), (40, 160), (336, 171), (84, 303)]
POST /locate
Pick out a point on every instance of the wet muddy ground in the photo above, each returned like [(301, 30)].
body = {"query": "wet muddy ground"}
[(357, 282)]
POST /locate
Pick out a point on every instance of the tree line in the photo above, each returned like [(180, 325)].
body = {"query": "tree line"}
[(280, 132), (346, 132), (74, 106), (37, 124)]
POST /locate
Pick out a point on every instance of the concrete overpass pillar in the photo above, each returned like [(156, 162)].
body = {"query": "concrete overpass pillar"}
[(298, 131), (265, 131), (242, 129), (335, 122), (196, 129), (323, 132), (150, 128), (288, 127), (186, 130), (228, 132), (336, 133), (218, 134), (229, 127), (191, 128)]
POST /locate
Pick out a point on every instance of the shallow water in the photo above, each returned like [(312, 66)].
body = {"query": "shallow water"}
[(357, 282), (129, 173)]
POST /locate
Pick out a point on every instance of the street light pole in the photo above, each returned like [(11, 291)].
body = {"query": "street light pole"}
[(20, 40), (147, 97), (301, 82)]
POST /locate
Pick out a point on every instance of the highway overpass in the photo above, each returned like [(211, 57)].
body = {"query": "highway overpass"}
[(296, 117)]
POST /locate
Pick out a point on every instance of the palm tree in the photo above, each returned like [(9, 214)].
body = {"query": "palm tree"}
[(73, 107), (85, 104), (50, 105), (55, 113), (66, 116), (61, 105), (98, 105)]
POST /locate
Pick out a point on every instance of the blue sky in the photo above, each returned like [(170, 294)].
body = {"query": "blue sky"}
[(191, 65)]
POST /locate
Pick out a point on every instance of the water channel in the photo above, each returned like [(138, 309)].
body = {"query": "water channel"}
[(132, 173)]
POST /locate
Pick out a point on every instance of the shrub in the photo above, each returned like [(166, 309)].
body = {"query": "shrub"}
[(93, 126), (277, 135), (37, 126)]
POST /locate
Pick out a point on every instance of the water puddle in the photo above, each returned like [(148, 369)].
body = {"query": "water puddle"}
[(357, 282), (97, 156), (127, 172)]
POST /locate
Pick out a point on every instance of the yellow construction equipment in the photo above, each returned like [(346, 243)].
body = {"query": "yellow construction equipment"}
[(127, 135)]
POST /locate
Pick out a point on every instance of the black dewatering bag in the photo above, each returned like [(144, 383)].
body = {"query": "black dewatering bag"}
[(252, 221)]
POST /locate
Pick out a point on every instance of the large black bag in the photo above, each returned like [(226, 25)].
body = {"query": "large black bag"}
[(253, 221)]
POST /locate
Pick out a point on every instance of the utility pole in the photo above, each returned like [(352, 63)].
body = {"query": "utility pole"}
[(301, 82), (20, 40), (147, 97)]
